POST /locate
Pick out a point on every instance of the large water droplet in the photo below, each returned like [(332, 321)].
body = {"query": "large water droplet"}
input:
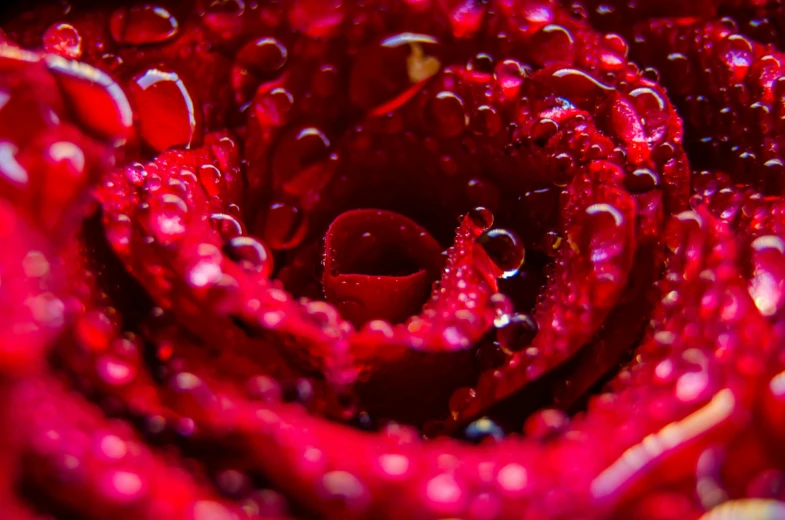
[(95, 99), (552, 44), (737, 55), (505, 250), (577, 86), (258, 61), (226, 225), (63, 39), (164, 109), (486, 121), (481, 218)]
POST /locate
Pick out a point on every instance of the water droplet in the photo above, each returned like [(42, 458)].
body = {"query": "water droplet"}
[(482, 429), (481, 64), (95, 99), (679, 72), (516, 333), (344, 486), (211, 179), (652, 108), (325, 81), (250, 254), (445, 114), (489, 356), (303, 162), (681, 228), (616, 43), (142, 24), (256, 62), (642, 180), (284, 226), (461, 399), (509, 75), (552, 44), (299, 391), (115, 371), (543, 130), (226, 225), (486, 121), (481, 217), (505, 250), (166, 218), (164, 109), (63, 39), (272, 107)]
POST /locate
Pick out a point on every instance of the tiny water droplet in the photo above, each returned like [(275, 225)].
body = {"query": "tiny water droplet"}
[(482, 429)]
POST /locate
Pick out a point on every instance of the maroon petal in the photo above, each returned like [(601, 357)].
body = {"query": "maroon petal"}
[(378, 265)]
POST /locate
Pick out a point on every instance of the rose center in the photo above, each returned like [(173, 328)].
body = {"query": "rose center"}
[(378, 265)]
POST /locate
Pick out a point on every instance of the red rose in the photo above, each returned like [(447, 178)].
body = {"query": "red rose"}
[(392, 259)]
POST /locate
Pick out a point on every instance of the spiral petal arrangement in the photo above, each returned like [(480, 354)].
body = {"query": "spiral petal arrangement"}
[(392, 259)]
